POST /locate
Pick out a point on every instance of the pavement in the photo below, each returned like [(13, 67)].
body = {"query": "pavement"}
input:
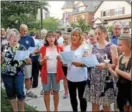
[(38, 103), (64, 104)]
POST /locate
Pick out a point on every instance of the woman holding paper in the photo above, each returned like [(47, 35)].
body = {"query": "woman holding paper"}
[(12, 72), (76, 74), (51, 71), (101, 91)]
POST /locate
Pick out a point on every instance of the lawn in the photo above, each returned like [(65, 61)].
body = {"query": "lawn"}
[(6, 107)]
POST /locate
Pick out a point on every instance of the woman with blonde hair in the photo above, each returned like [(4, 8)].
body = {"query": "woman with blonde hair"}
[(66, 42), (76, 73)]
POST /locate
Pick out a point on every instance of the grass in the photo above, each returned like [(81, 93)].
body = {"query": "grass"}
[(6, 107)]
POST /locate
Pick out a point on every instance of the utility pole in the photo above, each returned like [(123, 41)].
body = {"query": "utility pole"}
[(41, 17)]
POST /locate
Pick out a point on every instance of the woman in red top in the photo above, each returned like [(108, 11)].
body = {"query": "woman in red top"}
[(51, 72)]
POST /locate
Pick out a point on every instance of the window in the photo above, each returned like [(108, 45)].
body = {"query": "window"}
[(119, 11), (81, 9), (104, 13), (74, 19)]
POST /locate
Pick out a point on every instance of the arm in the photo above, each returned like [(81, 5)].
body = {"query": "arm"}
[(124, 74), (114, 56)]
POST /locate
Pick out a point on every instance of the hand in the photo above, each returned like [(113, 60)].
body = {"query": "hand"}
[(58, 57), (101, 66), (116, 69), (78, 64), (35, 52), (85, 54), (43, 60), (28, 61)]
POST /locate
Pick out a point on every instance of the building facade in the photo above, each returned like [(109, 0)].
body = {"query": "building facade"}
[(75, 10), (109, 12)]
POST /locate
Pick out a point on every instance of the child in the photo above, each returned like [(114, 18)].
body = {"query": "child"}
[(123, 72), (12, 72)]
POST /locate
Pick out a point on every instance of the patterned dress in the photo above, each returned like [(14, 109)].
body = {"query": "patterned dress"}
[(101, 90)]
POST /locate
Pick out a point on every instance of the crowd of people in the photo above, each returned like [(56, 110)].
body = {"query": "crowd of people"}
[(103, 85)]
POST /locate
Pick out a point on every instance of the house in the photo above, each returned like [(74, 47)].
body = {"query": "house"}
[(109, 12), (67, 9), (81, 9)]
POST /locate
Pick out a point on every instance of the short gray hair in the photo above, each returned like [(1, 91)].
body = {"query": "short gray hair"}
[(13, 32)]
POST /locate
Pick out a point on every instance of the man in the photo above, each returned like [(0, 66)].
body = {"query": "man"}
[(126, 30), (116, 33), (27, 42), (59, 38)]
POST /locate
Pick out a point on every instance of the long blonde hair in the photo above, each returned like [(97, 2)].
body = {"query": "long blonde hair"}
[(77, 33)]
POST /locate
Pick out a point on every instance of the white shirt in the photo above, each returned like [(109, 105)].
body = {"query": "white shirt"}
[(52, 60), (76, 74)]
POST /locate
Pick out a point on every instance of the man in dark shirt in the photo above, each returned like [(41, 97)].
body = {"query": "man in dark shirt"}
[(116, 33), (27, 41)]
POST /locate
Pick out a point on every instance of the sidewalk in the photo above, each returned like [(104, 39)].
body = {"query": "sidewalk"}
[(38, 103)]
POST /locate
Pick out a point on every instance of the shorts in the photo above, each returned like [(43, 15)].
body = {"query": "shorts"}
[(14, 86), (51, 85), (28, 71)]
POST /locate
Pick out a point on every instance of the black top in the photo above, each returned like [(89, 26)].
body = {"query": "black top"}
[(122, 67)]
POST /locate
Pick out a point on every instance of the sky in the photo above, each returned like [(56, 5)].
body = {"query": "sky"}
[(55, 8)]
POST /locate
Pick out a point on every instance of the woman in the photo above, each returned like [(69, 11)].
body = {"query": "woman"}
[(66, 38), (101, 92), (51, 72), (76, 74), (123, 73), (12, 72)]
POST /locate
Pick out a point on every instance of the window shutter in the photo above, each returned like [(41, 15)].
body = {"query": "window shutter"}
[(123, 10), (112, 12)]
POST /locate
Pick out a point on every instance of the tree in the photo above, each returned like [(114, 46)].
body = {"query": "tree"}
[(81, 24), (14, 13), (51, 23)]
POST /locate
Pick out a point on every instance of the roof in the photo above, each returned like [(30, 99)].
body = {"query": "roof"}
[(90, 7), (68, 4), (129, 2)]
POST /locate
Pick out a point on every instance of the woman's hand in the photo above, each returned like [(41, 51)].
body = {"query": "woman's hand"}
[(42, 61), (101, 66), (78, 64), (58, 57), (28, 61)]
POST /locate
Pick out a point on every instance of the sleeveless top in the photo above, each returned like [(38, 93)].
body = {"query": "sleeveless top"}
[(122, 80)]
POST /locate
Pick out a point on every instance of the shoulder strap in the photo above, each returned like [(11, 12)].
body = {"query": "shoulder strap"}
[(129, 65), (120, 60)]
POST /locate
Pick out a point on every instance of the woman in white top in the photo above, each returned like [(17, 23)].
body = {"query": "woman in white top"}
[(76, 73)]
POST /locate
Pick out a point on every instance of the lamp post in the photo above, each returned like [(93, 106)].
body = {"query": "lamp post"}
[(41, 17)]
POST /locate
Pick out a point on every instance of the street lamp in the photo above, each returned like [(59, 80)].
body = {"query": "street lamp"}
[(41, 17)]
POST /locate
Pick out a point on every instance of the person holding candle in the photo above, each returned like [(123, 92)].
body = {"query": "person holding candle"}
[(97, 93)]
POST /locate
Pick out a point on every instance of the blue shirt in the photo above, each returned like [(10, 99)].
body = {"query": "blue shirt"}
[(27, 41), (114, 40)]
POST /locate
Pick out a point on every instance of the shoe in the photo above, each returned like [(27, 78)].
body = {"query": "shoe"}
[(30, 94), (65, 96), (42, 92)]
